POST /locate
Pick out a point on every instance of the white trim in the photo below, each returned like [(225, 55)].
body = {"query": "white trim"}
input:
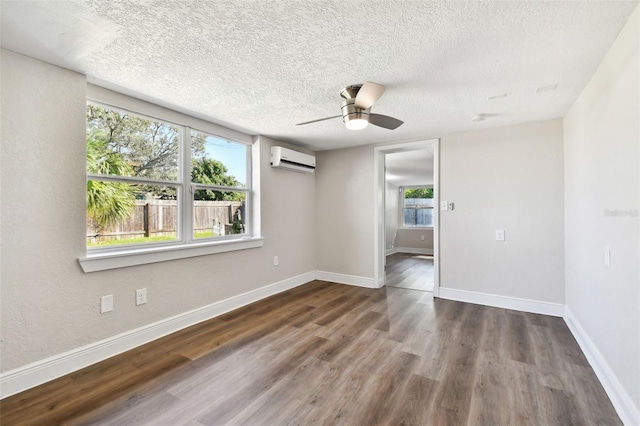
[(379, 189), (436, 219), (37, 373), (622, 402), (507, 302), (391, 251), (113, 260), (347, 279), (413, 250)]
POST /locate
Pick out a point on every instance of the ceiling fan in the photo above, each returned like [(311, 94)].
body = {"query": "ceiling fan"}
[(356, 108)]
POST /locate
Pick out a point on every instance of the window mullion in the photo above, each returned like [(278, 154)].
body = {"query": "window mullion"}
[(187, 190)]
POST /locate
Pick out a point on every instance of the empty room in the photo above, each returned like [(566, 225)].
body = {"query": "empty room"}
[(320, 212)]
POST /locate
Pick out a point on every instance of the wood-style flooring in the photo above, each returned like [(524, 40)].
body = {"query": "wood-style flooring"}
[(410, 271), (327, 353)]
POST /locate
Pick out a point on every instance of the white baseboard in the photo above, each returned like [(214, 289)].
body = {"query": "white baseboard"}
[(622, 402), (28, 376), (507, 302), (346, 279), (391, 251), (413, 250)]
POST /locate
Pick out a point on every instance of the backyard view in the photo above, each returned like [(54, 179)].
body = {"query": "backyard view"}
[(134, 189), (418, 207)]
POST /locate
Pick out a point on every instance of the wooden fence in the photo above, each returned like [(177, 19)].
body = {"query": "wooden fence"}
[(160, 218)]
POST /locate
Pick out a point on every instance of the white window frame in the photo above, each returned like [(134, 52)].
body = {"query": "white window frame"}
[(401, 224), (102, 258)]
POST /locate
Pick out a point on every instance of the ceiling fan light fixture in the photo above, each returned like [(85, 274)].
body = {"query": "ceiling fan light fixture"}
[(354, 118), (355, 123)]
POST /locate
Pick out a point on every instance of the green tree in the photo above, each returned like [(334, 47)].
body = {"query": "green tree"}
[(214, 172), (151, 148), (107, 202), (418, 193)]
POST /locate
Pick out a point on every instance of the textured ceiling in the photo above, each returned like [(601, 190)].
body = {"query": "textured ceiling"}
[(263, 66)]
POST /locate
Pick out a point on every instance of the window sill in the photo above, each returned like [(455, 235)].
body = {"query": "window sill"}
[(123, 259), (416, 227)]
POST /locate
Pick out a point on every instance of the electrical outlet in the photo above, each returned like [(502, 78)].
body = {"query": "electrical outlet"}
[(106, 303), (275, 261), (499, 234), (141, 296)]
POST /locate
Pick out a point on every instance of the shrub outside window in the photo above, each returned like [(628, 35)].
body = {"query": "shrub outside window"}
[(417, 204), (150, 182)]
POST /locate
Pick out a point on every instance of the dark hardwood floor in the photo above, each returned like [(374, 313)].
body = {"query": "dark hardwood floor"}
[(335, 354), (410, 271)]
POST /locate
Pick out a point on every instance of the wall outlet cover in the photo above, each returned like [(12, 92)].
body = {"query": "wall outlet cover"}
[(106, 303), (141, 296)]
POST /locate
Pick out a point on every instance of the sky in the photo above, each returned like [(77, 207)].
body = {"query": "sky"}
[(232, 154)]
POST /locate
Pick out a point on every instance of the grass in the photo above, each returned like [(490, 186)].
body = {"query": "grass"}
[(204, 234), (145, 240), (137, 240)]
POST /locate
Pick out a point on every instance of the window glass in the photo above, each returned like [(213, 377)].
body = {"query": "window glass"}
[(217, 165), (418, 207), (218, 216), (123, 144), (123, 213), (216, 161)]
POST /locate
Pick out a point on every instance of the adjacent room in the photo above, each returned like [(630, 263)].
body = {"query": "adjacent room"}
[(319, 212), (408, 219)]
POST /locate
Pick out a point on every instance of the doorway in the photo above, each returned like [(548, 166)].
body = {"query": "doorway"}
[(406, 243)]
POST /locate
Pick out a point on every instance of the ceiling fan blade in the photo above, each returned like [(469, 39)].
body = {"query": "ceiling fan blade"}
[(320, 119), (368, 94), (385, 121)]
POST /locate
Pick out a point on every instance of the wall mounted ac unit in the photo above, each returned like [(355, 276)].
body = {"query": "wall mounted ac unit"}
[(288, 159)]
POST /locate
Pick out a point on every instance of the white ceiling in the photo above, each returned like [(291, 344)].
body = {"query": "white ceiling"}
[(263, 66), (410, 167)]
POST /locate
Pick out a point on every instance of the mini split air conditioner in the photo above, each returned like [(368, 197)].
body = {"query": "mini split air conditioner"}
[(295, 161)]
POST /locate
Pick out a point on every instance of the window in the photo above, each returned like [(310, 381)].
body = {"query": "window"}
[(417, 206), (152, 183)]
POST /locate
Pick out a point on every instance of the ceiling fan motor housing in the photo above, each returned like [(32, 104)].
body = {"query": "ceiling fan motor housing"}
[(352, 112)]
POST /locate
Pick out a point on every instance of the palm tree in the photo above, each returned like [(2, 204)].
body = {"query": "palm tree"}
[(107, 202)]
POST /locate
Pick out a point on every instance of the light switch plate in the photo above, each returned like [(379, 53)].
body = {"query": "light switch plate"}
[(444, 206), (499, 234), (607, 256)]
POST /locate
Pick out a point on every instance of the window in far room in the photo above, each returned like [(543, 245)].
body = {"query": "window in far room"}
[(417, 203)]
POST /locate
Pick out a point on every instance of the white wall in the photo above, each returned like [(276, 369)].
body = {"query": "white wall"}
[(413, 238), (48, 305), (344, 197), (391, 212), (602, 139), (507, 178)]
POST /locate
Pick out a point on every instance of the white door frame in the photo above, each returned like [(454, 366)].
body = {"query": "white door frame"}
[(379, 188)]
